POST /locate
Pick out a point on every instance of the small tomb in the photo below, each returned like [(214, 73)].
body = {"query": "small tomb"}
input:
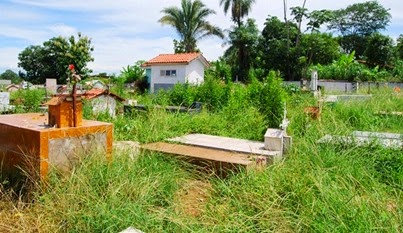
[(34, 143)]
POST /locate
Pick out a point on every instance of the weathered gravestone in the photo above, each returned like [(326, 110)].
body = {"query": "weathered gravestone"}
[(4, 101), (51, 85)]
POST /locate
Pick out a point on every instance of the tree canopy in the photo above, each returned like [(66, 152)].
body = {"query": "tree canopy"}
[(360, 19), (243, 42), (190, 23), (51, 60), (10, 75), (239, 9)]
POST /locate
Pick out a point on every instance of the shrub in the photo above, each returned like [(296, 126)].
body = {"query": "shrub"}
[(272, 99)]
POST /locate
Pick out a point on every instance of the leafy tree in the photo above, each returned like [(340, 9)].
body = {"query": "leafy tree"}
[(358, 21), (379, 50), (243, 41), (220, 69), (399, 47), (239, 50), (319, 48), (52, 58), (277, 48), (299, 13), (11, 75), (190, 23), (318, 18), (133, 73), (32, 60), (239, 9)]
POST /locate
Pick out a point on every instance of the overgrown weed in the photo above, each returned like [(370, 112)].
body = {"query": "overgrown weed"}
[(317, 188)]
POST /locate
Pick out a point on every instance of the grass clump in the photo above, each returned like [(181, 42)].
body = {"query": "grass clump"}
[(317, 188)]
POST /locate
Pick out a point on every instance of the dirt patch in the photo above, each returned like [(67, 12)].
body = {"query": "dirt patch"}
[(192, 198)]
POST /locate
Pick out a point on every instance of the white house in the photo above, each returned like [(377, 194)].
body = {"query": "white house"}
[(165, 70)]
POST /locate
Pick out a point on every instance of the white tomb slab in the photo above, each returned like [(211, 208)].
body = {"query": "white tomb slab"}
[(363, 138), (226, 143)]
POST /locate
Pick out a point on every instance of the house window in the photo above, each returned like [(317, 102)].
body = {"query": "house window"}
[(168, 73)]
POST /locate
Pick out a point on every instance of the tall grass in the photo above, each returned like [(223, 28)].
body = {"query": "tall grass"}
[(317, 188)]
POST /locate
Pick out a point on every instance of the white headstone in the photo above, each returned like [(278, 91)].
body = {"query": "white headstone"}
[(273, 140), (4, 100), (51, 85), (314, 81)]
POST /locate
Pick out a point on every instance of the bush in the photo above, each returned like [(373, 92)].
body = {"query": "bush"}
[(28, 100), (272, 100)]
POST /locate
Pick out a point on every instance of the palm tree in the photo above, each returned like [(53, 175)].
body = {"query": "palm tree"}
[(190, 23), (239, 9)]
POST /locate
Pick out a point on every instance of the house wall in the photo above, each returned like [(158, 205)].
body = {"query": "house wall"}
[(104, 103), (156, 77), (195, 72)]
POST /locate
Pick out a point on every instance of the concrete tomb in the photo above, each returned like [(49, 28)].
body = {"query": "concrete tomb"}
[(34, 143)]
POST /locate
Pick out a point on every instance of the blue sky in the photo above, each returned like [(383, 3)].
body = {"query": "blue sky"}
[(124, 31)]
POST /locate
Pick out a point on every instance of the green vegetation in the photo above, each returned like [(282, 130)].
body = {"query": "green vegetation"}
[(52, 59), (190, 23), (317, 188), (27, 100)]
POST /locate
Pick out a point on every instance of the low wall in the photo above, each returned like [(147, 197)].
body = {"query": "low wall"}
[(344, 86)]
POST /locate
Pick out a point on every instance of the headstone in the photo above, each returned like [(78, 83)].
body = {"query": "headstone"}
[(51, 85), (355, 87), (131, 230), (273, 139), (131, 102), (4, 101), (314, 81)]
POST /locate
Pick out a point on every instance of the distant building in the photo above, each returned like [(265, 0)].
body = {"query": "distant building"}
[(165, 70), (103, 101), (12, 87)]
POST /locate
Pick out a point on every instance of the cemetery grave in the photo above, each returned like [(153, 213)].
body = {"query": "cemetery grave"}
[(35, 143), (364, 138)]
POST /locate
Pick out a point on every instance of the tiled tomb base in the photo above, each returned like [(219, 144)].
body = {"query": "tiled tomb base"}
[(28, 143)]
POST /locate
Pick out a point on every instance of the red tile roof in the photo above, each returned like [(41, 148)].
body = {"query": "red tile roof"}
[(93, 93), (178, 58)]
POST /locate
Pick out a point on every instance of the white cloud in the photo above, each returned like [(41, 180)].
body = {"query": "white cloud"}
[(124, 31), (63, 30), (31, 35), (9, 58)]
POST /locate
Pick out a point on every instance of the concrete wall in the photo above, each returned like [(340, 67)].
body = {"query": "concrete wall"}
[(344, 86), (195, 72), (64, 152), (104, 103)]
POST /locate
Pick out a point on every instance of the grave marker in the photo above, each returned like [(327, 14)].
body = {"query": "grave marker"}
[(51, 85), (4, 101)]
